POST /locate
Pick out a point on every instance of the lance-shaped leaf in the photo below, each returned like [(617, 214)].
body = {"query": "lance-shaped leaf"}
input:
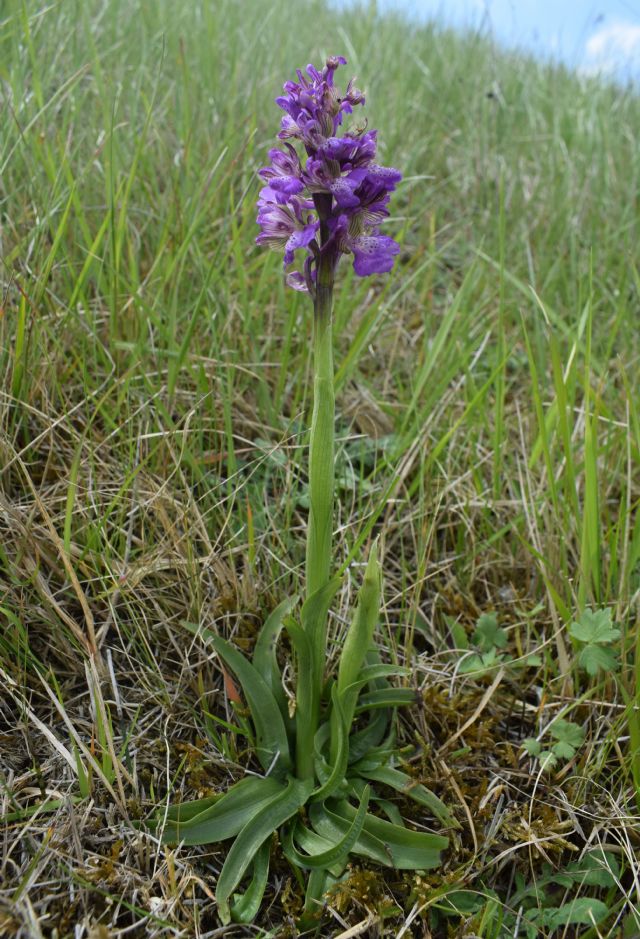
[(245, 906), (184, 811), (319, 882), (272, 744), (264, 654), (339, 748), (404, 784), (409, 850), (314, 622), (386, 697), (268, 819), (225, 818), (379, 840), (362, 741), (327, 823), (360, 635), (338, 851), (313, 843), (307, 702)]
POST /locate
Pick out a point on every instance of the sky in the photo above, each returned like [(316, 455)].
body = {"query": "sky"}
[(591, 35)]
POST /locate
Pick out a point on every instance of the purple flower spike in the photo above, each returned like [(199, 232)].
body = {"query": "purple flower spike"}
[(339, 183)]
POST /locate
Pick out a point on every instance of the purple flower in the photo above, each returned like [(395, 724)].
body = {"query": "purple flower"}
[(339, 184), (283, 175), (373, 253), (290, 225)]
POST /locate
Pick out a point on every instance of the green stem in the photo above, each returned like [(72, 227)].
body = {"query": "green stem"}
[(321, 469), (321, 478)]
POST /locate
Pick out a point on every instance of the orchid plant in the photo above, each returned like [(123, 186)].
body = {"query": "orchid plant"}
[(324, 195)]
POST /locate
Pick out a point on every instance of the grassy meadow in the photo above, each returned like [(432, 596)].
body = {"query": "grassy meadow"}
[(154, 399)]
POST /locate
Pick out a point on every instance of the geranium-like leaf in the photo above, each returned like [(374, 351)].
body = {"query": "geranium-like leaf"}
[(279, 809), (488, 635), (583, 911), (595, 626), (568, 732), (594, 659), (563, 750), (272, 744), (548, 760), (532, 746)]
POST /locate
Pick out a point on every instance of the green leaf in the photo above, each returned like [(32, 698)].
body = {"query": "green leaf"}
[(339, 748), (222, 819), (268, 819), (532, 746), (307, 701), (568, 732), (314, 620), (583, 911), (405, 849), (477, 664), (313, 843), (331, 826), (338, 851), (272, 744), (359, 635), (596, 869), (372, 672), (488, 635), (461, 902), (548, 760), (362, 741), (319, 882), (563, 750), (594, 626), (404, 784), (264, 655), (184, 811), (386, 697), (594, 659), (245, 906)]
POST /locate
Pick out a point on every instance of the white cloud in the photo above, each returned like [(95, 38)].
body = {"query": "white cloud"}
[(613, 49)]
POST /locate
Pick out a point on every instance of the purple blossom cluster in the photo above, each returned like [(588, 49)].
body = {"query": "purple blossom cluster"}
[(332, 202)]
